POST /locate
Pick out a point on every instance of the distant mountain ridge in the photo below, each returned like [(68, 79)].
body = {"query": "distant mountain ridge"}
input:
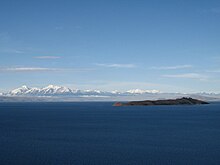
[(53, 90), (60, 93), (49, 90)]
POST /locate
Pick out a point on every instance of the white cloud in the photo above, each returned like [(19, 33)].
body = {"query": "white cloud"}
[(47, 57), (172, 67), (117, 65), (14, 51), (187, 75), (41, 69), (17, 51), (25, 69), (214, 71)]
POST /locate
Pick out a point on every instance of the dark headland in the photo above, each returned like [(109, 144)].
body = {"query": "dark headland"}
[(180, 101)]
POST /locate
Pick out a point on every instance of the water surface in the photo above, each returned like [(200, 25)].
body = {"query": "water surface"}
[(98, 133)]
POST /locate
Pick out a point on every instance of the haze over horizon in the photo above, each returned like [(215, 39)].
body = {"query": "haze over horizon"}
[(170, 46)]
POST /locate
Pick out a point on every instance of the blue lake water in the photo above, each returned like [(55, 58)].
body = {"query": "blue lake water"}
[(100, 134)]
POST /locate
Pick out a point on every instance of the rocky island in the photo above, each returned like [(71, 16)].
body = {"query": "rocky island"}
[(180, 101)]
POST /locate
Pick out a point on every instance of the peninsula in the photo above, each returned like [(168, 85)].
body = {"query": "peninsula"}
[(180, 101)]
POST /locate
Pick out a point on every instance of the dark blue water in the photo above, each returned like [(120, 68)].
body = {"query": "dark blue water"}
[(100, 134)]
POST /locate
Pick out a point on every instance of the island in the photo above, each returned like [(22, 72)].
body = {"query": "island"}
[(179, 101)]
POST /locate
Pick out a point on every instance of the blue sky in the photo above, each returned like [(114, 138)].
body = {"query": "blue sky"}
[(171, 46)]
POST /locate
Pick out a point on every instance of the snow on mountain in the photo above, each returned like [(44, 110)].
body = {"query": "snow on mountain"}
[(92, 91), (69, 94), (139, 91), (115, 92), (19, 91), (49, 90), (33, 91), (52, 90)]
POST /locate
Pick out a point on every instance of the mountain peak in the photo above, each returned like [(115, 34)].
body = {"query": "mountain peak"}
[(52, 86), (20, 90), (139, 91), (24, 87)]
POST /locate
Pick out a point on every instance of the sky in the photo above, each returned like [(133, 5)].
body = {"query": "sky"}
[(171, 46)]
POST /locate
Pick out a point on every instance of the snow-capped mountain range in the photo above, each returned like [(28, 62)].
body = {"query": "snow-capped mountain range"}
[(49, 90), (58, 93), (53, 90)]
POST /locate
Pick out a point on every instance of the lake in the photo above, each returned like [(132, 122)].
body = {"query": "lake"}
[(96, 133)]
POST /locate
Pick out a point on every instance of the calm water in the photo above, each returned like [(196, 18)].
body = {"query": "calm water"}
[(99, 134)]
